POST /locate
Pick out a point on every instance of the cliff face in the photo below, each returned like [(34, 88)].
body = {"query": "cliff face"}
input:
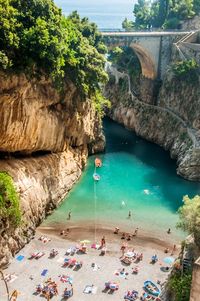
[(44, 144), (161, 124), (34, 118), (182, 98)]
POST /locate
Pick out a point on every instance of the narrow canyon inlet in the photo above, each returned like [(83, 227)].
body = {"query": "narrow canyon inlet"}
[(99, 150), (136, 176)]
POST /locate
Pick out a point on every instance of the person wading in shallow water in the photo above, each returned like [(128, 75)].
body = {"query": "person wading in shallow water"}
[(69, 215)]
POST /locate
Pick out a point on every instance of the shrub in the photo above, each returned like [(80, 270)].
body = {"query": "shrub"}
[(189, 215), (187, 70), (180, 286), (9, 200)]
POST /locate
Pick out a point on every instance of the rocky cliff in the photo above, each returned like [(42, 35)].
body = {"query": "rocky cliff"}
[(169, 123), (44, 144)]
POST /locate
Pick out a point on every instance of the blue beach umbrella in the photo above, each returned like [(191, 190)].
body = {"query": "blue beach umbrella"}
[(169, 260)]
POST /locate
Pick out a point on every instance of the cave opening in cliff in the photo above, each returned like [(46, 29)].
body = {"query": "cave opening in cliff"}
[(21, 154)]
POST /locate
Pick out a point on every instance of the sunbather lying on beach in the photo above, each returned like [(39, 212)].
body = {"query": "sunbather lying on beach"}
[(116, 230), (53, 253), (44, 239)]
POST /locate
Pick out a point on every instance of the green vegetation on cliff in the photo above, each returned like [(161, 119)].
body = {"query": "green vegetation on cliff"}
[(9, 201), (180, 286), (189, 215), (187, 70), (36, 38), (162, 13), (127, 61)]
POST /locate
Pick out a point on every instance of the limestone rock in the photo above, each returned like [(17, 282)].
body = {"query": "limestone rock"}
[(53, 136), (173, 123)]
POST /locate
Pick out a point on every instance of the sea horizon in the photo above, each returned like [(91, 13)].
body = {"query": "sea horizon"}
[(105, 15)]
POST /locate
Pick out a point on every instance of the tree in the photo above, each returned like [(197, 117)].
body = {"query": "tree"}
[(181, 9), (142, 14), (164, 13), (127, 24), (196, 6), (37, 39), (189, 215)]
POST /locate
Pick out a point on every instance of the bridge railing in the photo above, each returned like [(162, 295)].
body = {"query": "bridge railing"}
[(143, 30)]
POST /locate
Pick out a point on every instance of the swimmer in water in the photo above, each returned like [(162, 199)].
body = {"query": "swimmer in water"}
[(123, 204)]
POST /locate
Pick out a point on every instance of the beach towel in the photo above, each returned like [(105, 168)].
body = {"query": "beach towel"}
[(44, 272), (10, 277), (20, 257)]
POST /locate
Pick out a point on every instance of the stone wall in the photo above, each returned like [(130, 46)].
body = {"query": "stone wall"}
[(195, 289)]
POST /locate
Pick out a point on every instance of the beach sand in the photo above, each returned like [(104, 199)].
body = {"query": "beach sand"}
[(28, 272)]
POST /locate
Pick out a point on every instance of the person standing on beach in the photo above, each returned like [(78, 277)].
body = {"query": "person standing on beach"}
[(173, 250), (103, 242), (123, 248), (136, 231), (129, 214)]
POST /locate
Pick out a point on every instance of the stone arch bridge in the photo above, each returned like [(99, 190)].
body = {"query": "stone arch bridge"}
[(154, 49)]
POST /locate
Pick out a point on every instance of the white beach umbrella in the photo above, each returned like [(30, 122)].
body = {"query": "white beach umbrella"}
[(129, 254)]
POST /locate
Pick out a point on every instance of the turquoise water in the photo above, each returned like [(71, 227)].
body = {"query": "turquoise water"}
[(106, 14), (136, 172)]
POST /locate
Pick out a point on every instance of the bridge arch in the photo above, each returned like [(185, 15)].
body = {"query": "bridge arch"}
[(147, 64)]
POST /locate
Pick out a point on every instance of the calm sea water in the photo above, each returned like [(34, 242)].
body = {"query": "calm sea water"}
[(136, 172), (106, 14)]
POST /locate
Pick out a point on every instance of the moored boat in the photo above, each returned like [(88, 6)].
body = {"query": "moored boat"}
[(98, 162), (96, 177), (151, 288)]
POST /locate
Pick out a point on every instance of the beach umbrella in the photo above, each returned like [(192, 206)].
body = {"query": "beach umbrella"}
[(168, 260), (129, 254)]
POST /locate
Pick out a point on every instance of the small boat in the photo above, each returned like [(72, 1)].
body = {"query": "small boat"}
[(96, 177), (98, 162), (151, 288)]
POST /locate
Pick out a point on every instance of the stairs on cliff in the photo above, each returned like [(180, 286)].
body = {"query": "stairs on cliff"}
[(188, 47)]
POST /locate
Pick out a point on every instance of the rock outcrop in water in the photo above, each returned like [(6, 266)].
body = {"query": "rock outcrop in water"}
[(44, 144), (172, 123)]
